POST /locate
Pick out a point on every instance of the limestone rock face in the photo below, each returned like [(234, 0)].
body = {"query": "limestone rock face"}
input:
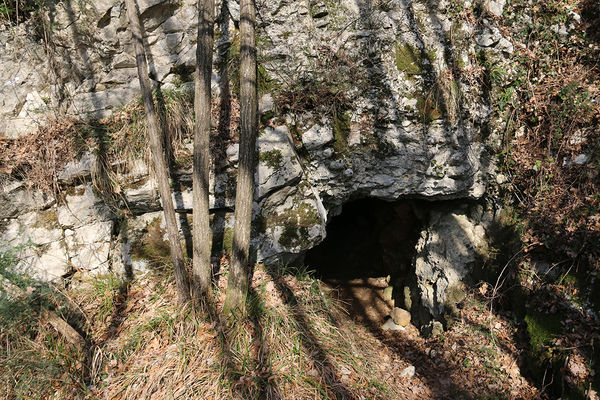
[(61, 239), (450, 245), (369, 99), (317, 136), (16, 198), (278, 164)]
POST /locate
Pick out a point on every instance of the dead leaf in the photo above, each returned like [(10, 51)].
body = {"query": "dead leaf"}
[(483, 289)]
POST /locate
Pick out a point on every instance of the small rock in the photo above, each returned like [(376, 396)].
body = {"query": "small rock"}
[(506, 46), (486, 40), (336, 165), (348, 173), (317, 136), (328, 152), (400, 316), (437, 328), (233, 152), (489, 37), (580, 159), (408, 372), (266, 104), (389, 325), (495, 7)]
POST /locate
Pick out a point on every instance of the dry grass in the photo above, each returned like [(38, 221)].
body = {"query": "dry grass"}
[(117, 142), (37, 159), (289, 345), (34, 360), (295, 342)]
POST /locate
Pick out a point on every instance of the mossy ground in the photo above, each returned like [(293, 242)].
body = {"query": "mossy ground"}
[(542, 329)]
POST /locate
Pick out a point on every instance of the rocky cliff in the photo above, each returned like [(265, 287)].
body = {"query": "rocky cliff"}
[(359, 98)]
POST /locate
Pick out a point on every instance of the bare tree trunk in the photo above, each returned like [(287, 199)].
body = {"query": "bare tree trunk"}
[(158, 153), (202, 270), (237, 287)]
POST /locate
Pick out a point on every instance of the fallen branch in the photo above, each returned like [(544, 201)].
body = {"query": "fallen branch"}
[(58, 323), (66, 330)]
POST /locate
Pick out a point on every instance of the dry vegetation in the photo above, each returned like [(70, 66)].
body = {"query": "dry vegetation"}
[(296, 342), (37, 159), (552, 159)]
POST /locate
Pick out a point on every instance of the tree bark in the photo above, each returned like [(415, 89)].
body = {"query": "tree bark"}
[(158, 153), (202, 271), (237, 287)]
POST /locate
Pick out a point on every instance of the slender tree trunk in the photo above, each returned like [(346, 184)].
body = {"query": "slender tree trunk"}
[(158, 153), (202, 271), (237, 288)]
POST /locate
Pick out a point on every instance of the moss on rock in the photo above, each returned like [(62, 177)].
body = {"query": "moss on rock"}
[(428, 107), (272, 158), (151, 245), (341, 131), (228, 240), (296, 223), (408, 59)]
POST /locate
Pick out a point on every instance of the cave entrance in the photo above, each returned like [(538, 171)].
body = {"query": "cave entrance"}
[(369, 246)]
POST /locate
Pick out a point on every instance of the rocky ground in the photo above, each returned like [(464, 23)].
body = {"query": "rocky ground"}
[(478, 357)]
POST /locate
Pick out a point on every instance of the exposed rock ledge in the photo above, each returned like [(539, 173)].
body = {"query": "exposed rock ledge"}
[(413, 128)]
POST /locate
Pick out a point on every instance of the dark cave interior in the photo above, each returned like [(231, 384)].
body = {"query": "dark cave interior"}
[(370, 238)]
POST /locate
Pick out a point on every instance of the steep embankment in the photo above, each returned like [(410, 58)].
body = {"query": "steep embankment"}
[(297, 342)]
